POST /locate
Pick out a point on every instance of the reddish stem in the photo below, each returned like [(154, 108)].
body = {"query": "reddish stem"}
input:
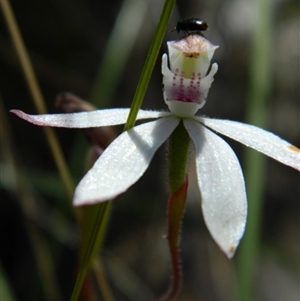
[(176, 205)]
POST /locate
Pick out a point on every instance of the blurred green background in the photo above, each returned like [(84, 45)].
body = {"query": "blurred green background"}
[(68, 43)]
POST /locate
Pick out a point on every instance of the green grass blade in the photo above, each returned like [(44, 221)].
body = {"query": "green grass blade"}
[(96, 234), (118, 49), (260, 77), (93, 242), (6, 292), (149, 64)]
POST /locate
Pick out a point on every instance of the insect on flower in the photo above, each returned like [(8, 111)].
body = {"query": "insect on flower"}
[(191, 26)]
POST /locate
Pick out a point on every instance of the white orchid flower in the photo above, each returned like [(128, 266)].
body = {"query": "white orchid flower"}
[(219, 175)]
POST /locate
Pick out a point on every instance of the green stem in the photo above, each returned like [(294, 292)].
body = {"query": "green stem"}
[(114, 61), (97, 232), (149, 64), (178, 155), (92, 247), (255, 162)]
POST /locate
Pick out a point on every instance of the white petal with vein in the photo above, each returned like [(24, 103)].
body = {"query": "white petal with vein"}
[(222, 187), (123, 162)]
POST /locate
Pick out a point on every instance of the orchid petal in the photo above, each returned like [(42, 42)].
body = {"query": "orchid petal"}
[(89, 119), (221, 182), (257, 138), (123, 162)]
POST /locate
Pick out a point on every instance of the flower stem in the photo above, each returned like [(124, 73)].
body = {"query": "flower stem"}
[(176, 205), (178, 154)]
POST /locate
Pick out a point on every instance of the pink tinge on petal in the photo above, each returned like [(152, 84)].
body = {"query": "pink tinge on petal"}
[(27, 117)]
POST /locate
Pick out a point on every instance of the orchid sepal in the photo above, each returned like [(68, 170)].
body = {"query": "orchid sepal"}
[(123, 162), (224, 205), (105, 117), (261, 140)]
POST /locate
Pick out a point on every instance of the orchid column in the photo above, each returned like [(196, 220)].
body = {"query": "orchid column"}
[(185, 90)]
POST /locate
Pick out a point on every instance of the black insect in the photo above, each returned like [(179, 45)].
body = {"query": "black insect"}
[(191, 26)]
